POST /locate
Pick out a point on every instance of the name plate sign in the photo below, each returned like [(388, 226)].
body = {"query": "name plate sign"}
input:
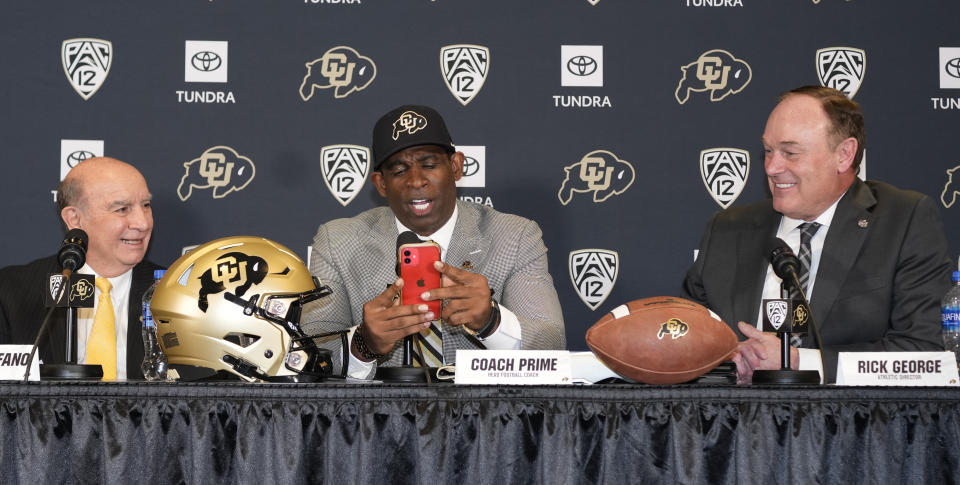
[(13, 363), (897, 369), (513, 367)]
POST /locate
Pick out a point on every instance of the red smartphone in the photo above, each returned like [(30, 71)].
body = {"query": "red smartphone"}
[(419, 275)]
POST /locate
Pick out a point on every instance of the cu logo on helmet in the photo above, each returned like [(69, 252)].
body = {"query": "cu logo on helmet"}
[(952, 67), (206, 61), (581, 65), (78, 156), (470, 166)]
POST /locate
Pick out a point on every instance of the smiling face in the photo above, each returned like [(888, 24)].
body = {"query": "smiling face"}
[(420, 184), (808, 168), (114, 208)]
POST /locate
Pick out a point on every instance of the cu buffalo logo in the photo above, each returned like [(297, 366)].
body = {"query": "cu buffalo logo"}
[(598, 172), (950, 190), (409, 122), (842, 68), (341, 68), (234, 271), (674, 327), (717, 71), (219, 168), (82, 290)]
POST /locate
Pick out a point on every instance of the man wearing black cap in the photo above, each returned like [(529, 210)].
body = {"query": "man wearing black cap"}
[(497, 291)]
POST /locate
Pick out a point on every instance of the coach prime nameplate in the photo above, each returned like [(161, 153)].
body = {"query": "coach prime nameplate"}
[(513, 367), (897, 369), (13, 363)]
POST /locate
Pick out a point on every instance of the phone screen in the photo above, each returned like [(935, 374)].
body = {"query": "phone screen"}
[(418, 273)]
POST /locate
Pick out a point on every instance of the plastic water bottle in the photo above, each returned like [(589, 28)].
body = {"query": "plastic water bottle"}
[(950, 308), (154, 365)]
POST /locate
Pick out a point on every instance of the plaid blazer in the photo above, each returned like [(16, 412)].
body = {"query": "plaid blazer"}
[(356, 257)]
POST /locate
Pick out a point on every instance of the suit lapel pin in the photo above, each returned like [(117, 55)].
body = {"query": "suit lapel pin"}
[(467, 265), (863, 223)]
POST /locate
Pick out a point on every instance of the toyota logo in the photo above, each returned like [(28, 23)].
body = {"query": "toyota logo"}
[(206, 61), (953, 67), (470, 166), (78, 156), (581, 65)]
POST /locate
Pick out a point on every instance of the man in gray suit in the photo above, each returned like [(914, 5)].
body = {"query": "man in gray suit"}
[(496, 290), (878, 262)]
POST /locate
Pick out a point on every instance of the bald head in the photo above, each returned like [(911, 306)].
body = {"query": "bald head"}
[(108, 199)]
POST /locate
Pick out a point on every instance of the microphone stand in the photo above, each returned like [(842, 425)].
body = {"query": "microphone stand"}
[(786, 375)]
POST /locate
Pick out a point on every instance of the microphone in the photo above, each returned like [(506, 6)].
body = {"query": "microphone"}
[(73, 251), (785, 263)]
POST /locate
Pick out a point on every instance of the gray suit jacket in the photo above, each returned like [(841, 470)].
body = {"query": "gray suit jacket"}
[(883, 270), (356, 257)]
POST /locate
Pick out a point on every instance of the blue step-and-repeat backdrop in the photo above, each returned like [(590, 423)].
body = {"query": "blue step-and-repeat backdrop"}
[(620, 126)]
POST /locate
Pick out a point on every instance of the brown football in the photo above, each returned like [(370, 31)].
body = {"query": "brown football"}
[(661, 340)]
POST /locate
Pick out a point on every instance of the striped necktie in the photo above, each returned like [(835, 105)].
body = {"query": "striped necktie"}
[(431, 344), (102, 343), (807, 230)]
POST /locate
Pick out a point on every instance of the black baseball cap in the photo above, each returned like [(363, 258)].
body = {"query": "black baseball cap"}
[(406, 126)]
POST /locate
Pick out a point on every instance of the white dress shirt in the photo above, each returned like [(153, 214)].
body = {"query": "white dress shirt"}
[(789, 232), (506, 337)]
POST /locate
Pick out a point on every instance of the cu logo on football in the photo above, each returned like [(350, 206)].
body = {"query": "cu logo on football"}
[(724, 172), (593, 273), (206, 61)]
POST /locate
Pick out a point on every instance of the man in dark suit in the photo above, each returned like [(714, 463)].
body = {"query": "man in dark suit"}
[(878, 255), (108, 199)]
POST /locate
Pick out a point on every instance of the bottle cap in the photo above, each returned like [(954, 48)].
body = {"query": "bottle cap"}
[(158, 273), (956, 276)]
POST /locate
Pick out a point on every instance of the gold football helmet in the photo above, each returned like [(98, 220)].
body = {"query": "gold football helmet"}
[(234, 304)]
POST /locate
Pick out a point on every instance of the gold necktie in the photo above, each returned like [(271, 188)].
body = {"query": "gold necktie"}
[(102, 343), (431, 344)]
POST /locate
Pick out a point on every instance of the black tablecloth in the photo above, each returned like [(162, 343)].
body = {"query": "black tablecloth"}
[(445, 434)]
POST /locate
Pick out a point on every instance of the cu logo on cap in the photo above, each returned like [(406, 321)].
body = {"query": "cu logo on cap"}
[(206, 61), (581, 65)]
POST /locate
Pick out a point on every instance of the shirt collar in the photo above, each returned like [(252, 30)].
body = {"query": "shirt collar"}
[(120, 285), (823, 219), (441, 236)]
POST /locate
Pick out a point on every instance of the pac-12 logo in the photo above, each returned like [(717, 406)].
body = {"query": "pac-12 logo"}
[(717, 71), (593, 273), (599, 172), (219, 168), (724, 172), (86, 62), (776, 311), (232, 270), (842, 68), (341, 68), (464, 68), (344, 170)]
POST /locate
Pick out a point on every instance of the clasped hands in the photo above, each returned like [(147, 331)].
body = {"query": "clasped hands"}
[(466, 299)]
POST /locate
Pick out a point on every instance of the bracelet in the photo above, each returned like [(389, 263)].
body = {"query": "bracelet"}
[(492, 323), (362, 348)]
